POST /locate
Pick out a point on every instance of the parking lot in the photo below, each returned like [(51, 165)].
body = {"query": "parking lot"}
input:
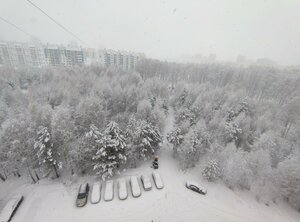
[(51, 201)]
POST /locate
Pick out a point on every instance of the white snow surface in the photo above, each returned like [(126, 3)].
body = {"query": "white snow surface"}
[(51, 201)]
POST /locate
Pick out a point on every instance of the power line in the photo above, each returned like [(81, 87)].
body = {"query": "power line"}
[(16, 27), (56, 22)]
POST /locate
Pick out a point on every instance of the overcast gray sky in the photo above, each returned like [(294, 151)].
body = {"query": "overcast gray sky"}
[(166, 28)]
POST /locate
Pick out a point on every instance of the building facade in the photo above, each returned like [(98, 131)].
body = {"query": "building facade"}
[(63, 56), (14, 54), (122, 59), (113, 58)]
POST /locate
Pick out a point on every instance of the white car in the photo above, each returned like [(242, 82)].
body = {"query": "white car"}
[(122, 189), (109, 190), (10, 208), (96, 193), (195, 187), (135, 187), (146, 182), (158, 181)]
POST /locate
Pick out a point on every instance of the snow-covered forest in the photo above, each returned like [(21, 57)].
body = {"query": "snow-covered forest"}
[(239, 125)]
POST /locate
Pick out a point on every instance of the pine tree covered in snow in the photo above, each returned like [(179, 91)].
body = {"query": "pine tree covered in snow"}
[(144, 138), (183, 96), (47, 155), (233, 132), (110, 151), (85, 151), (189, 153), (176, 138), (211, 171)]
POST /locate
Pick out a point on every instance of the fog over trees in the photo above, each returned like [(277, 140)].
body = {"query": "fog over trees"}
[(239, 125)]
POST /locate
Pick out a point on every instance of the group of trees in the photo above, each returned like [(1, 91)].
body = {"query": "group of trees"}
[(241, 125), (83, 120), (237, 124)]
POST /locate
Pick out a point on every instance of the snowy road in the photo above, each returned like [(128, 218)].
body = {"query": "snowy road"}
[(53, 202)]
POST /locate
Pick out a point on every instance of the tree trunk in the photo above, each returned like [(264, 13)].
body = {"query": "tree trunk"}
[(2, 177), (287, 129), (5, 171), (56, 173), (36, 175), (30, 174)]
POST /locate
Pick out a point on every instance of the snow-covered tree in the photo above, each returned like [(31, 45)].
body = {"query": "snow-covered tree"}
[(110, 151), (175, 138), (63, 135), (211, 170), (189, 153), (47, 155), (88, 145), (287, 178), (144, 138)]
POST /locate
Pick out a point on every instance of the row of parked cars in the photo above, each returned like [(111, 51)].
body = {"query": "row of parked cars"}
[(134, 185)]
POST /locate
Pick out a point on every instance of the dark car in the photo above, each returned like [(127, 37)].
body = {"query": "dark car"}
[(195, 187), (82, 195), (10, 208)]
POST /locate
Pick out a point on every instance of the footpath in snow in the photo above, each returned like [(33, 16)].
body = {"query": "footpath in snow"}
[(51, 201)]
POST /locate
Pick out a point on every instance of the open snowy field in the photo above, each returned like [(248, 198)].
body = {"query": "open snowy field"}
[(51, 201)]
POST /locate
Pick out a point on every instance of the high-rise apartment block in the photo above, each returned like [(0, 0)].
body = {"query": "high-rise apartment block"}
[(108, 58), (15, 54), (63, 56)]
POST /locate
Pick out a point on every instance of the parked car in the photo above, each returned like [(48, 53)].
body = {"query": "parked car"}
[(10, 208), (96, 193), (195, 187), (122, 189), (146, 182), (135, 187), (82, 195), (158, 181), (109, 190)]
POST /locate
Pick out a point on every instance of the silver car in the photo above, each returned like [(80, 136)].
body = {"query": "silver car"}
[(146, 182)]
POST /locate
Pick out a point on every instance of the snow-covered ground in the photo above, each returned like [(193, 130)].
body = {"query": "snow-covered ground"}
[(51, 201)]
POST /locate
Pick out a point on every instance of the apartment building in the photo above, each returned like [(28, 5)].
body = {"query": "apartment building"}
[(57, 55), (15, 54), (122, 59)]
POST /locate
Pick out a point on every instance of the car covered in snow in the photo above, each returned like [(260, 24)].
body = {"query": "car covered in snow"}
[(146, 182), (96, 193), (195, 187), (158, 181), (122, 187), (109, 190), (83, 194), (10, 208), (135, 187)]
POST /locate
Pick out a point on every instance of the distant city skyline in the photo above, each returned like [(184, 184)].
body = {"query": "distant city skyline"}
[(167, 29), (38, 54)]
